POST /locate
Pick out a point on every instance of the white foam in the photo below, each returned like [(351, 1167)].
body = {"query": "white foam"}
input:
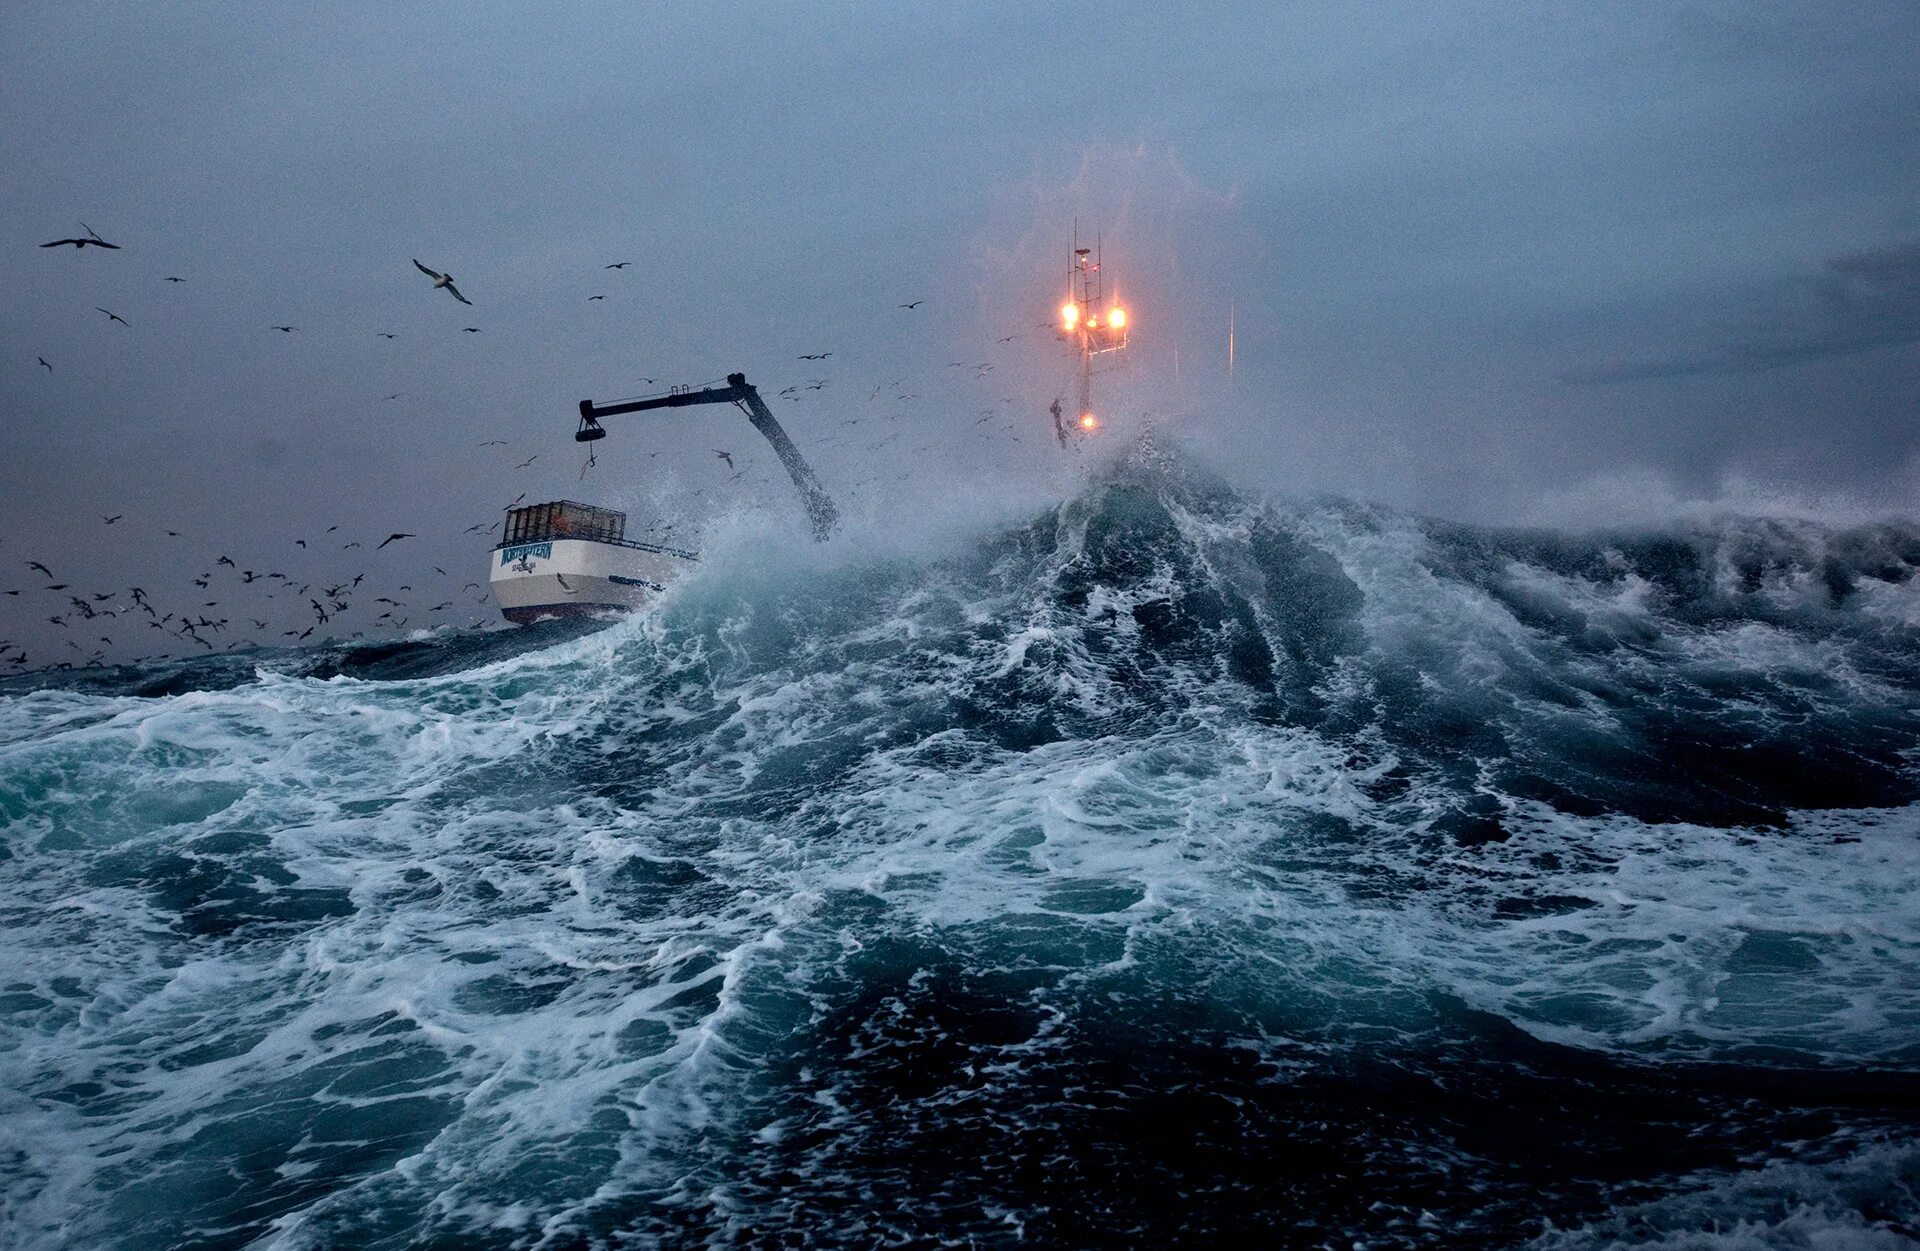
[(534, 930)]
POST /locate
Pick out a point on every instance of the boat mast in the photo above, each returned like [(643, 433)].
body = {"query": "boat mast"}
[(1092, 326)]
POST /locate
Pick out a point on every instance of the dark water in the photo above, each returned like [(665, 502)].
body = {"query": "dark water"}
[(1174, 869)]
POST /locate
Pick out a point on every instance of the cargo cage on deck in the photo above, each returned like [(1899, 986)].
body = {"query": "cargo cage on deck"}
[(567, 519)]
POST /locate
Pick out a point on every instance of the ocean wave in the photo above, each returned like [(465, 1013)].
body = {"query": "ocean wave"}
[(1168, 865)]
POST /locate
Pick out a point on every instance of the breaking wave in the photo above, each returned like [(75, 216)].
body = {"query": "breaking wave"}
[(1172, 867)]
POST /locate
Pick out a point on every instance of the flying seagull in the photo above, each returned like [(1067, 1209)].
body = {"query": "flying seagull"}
[(171, 278), (618, 265), (443, 280), (528, 461), (391, 538), (284, 329), (469, 330), (43, 361), (93, 240), (114, 317), (384, 335), (726, 456), (592, 298), (818, 356), (915, 304)]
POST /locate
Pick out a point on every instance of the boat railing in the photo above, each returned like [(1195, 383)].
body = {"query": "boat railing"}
[(557, 536)]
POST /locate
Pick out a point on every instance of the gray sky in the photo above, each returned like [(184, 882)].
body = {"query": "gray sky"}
[(1480, 257)]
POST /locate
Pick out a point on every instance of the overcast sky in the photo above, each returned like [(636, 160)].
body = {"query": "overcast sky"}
[(1479, 258)]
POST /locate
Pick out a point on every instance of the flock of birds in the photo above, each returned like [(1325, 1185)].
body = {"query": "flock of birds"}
[(83, 612), (96, 621)]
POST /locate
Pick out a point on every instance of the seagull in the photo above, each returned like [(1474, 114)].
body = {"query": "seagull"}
[(114, 317), (618, 265), (528, 461), (818, 356), (34, 564), (384, 335), (494, 443), (391, 538), (94, 241), (114, 518), (726, 456), (915, 304), (43, 361), (171, 278), (443, 280), (284, 329), (469, 330), (592, 298)]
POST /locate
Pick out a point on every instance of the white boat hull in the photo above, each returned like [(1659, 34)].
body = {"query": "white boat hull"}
[(574, 577)]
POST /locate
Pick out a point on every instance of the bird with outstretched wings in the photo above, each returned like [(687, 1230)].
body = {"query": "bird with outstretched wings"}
[(442, 280)]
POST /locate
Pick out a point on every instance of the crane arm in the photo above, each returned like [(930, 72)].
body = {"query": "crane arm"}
[(820, 510)]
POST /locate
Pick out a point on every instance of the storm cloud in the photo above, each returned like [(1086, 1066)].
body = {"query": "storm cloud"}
[(1863, 301)]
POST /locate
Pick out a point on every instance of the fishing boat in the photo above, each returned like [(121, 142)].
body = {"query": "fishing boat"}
[(567, 559)]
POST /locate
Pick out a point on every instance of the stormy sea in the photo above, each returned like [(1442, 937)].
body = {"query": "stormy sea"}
[(1169, 867)]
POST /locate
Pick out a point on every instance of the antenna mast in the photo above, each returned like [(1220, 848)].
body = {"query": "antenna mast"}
[(1092, 325)]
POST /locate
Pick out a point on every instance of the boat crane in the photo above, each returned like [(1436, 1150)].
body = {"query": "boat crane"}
[(739, 392), (1094, 326)]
